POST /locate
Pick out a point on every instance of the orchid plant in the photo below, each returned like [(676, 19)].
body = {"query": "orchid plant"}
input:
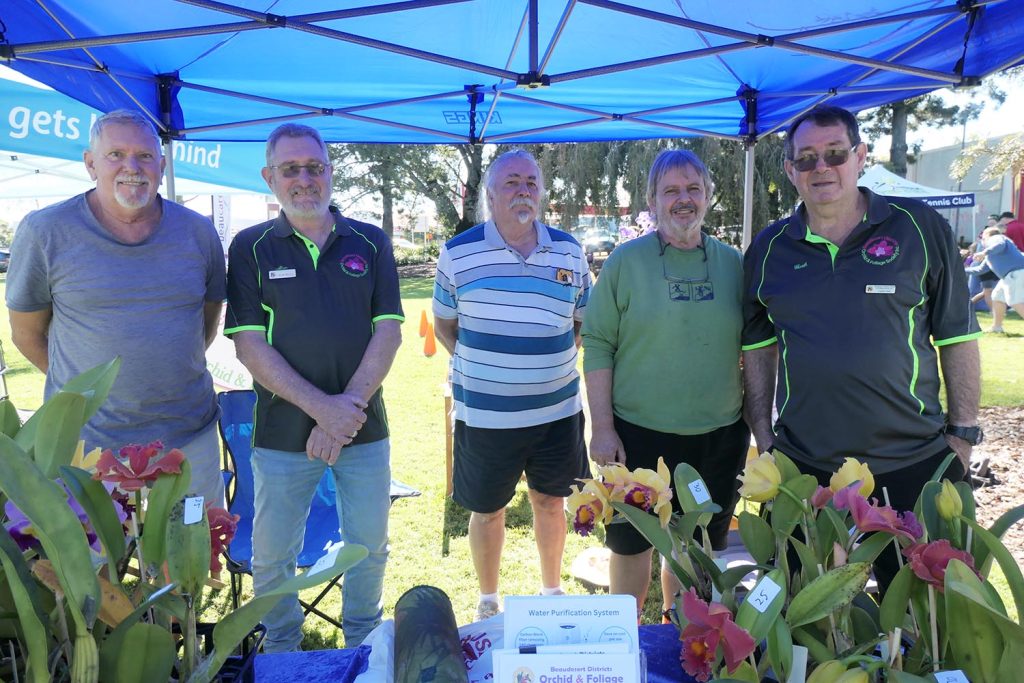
[(804, 596), (79, 526)]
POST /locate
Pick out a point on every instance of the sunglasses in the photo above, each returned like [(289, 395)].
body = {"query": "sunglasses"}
[(832, 157), (293, 170)]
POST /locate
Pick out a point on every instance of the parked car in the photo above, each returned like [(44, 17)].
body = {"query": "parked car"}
[(402, 243), (597, 240), (5, 259)]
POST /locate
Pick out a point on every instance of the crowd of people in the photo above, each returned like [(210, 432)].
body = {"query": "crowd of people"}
[(822, 341)]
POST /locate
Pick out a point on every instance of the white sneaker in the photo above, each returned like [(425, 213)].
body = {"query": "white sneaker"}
[(996, 330), (486, 609)]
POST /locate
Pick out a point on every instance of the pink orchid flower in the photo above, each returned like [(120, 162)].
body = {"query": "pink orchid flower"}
[(821, 497), (138, 466), (929, 560), (223, 525), (708, 625), (874, 517)]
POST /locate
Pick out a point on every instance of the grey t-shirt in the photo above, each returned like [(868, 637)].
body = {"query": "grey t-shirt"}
[(142, 302)]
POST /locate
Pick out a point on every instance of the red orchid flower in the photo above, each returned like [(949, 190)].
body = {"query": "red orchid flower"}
[(821, 497), (138, 466), (874, 517), (708, 625), (929, 560), (222, 530)]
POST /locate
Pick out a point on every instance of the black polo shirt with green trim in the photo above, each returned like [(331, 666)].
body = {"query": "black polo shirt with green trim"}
[(317, 308), (857, 327)]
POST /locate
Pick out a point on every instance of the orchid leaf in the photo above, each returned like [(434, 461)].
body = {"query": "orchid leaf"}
[(998, 528), (744, 673), (188, 549), (757, 537), (763, 604), (147, 654), (823, 595), (787, 468), (929, 514), (58, 432), (114, 642), (873, 546), (816, 648), (166, 491), (808, 560), (733, 575), (893, 610), (10, 423), (58, 528), (895, 676), (693, 493), (95, 384), (1010, 568), (649, 526), (780, 648), (99, 507), (32, 618), (230, 631), (975, 642), (967, 500), (787, 512)]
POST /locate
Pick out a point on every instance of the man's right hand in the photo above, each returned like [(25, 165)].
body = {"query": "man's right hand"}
[(341, 416), (606, 447)]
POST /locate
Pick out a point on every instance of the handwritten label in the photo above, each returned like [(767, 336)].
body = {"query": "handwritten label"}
[(324, 563), (763, 594), (193, 510), (955, 676), (700, 493)]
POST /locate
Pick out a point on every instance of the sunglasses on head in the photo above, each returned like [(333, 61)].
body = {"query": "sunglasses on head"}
[(832, 157), (293, 170)]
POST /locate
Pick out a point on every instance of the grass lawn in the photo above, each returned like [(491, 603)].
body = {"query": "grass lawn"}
[(428, 534)]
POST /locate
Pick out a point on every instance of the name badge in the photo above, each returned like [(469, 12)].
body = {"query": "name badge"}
[(880, 289), (282, 273)]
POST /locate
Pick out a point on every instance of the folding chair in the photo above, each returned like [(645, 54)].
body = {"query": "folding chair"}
[(236, 422)]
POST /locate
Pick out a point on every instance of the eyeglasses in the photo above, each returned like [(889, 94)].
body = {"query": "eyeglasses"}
[(293, 170), (832, 157)]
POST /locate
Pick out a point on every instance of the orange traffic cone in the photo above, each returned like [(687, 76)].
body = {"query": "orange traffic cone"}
[(423, 323), (430, 344)]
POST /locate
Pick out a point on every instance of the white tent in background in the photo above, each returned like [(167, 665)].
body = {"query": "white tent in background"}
[(882, 181)]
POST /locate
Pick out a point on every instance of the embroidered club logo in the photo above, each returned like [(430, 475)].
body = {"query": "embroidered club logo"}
[(880, 251), (564, 275), (354, 265)]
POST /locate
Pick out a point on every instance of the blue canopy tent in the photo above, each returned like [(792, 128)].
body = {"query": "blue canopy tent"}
[(470, 71)]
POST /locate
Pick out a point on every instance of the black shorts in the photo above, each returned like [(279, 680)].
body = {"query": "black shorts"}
[(718, 455), (988, 280), (489, 462)]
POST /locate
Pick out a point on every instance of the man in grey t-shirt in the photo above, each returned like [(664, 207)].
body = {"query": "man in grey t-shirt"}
[(119, 271)]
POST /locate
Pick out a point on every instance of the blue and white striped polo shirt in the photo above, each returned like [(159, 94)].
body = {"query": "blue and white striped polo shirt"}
[(515, 358)]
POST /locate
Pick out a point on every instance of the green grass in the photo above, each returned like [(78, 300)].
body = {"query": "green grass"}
[(428, 534)]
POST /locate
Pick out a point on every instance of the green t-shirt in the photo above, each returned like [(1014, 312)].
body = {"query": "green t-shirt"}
[(668, 325)]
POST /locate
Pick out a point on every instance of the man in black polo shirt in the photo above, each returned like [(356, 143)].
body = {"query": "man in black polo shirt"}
[(314, 311), (848, 302)]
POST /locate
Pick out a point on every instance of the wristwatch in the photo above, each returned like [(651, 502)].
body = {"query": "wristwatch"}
[(972, 435)]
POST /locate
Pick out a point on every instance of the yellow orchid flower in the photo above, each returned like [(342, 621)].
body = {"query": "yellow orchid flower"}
[(650, 491), (615, 478), (588, 506), (761, 479), (851, 471), (84, 461)]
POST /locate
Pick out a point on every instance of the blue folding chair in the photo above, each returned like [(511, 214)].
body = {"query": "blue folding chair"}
[(236, 422)]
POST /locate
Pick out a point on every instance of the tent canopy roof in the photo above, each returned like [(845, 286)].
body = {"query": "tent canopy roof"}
[(456, 71)]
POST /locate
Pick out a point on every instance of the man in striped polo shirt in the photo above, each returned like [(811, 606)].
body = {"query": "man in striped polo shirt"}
[(508, 303)]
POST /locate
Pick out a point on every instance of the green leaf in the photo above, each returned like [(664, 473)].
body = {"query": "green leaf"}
[(188, 550), (865, 629), (99, 507), (780, 649), (873, 546), (817, 650), (967, 500), (166, 491), (58, 432), (32, 618), (895, 676), (823, 595), (757, 537), (10, 423), (808, 561), (58, 528), (929, 517), (975, 642), (95, 384), (230, 631), (786, 512), (998, 528), (750, 615), (896, 601), (1010, 568), (114, 642), (686, 477), (649, 526), (147, 654), (744, 673), (787, 468)]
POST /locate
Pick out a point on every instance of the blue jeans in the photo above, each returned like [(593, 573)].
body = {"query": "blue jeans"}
[(284, 484)]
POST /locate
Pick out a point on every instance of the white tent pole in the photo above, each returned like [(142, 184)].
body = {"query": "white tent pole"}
[(748, 196), (169, 169)]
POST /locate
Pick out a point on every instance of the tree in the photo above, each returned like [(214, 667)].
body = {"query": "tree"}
[(1005, 155), (899, 118), (6, 233)]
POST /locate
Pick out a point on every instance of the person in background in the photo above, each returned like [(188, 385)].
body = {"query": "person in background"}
[(315, 312), (848, 305), (661, 359), (1013, 228), (508, 301), (1002, 257), (122, 272)]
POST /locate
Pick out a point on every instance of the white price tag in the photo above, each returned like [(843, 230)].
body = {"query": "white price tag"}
[(763, 594), (193, 510), (955, 676), (324, 563), (798, 669), (699, 491)]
